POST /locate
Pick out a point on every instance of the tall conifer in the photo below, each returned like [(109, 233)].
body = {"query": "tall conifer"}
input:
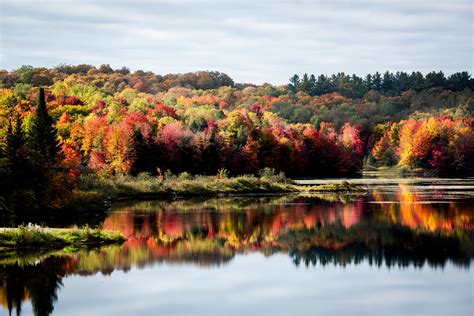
[(44, 143)]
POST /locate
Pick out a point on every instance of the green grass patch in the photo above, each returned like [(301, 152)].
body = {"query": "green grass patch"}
[(33, 237)]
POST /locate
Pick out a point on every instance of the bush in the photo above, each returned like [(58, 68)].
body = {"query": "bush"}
[(169, 175), (185, 176), (222, 173), (270, 174)]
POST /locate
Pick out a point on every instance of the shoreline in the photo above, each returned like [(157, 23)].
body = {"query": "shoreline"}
[(180, 195), (122, 187), (208, 187), (95, 195)]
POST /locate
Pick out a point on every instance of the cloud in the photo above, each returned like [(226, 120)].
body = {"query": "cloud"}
[(253, 41)]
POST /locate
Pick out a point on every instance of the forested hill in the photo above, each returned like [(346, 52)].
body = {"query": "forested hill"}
[(117, 121), (370, 100)]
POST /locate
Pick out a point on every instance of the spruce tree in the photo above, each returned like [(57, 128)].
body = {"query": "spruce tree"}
[(16, 146), (44, 144), (294, 84), (44, 147), (17, 184)]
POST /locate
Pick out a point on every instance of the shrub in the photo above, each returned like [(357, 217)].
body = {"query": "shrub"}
[(185, 176), (222, 173), (271, 175)]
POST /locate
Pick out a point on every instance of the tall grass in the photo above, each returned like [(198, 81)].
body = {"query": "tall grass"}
[(185, 184), (37, 237)]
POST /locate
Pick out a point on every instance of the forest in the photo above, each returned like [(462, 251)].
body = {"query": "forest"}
[(59, 124)]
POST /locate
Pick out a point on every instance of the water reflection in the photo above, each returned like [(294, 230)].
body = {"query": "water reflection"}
[(36, 282), (395, 228), (435, 210), (310, 229)]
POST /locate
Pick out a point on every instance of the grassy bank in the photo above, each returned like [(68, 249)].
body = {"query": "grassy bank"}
[(143, 185), (55, 238)]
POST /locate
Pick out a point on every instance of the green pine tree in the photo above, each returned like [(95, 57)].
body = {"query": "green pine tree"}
[(17, 187), (15, 141), (44, 144), (47, 177)]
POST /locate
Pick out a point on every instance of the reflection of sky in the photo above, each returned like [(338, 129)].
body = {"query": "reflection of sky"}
[(258, 285)]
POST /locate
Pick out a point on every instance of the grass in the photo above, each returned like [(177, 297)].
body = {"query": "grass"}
[(343, 186), (57, 238), (144, 185)]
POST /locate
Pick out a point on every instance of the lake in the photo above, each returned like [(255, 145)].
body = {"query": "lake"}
[(405, 247)]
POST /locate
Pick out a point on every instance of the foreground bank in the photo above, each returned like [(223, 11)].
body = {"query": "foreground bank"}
[(56, 238)]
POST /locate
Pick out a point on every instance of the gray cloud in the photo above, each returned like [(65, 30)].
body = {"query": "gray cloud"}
[(253, 41)]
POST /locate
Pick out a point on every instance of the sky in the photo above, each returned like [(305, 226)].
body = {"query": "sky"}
[(251, 40)]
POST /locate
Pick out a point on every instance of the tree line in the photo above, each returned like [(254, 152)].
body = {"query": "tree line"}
[(388, 83), (105, 76)]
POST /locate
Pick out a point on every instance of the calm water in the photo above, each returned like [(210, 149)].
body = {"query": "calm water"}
[(404, 248)]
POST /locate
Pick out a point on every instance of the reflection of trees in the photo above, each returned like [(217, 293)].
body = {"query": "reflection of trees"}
[(414, 209), (211, 232), (343, 230), (64, 219), (383, 244), (39, 283)]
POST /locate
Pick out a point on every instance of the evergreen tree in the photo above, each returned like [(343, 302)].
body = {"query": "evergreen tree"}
[(294, 84), (417, 81), (16, 146), (387, 85), (44, 144), (459, 81), (368, 82), (323, 85), (377, 82), (312, 84), (305, 85), (402, 82), (16, 188), (435, 79), (48, 178)]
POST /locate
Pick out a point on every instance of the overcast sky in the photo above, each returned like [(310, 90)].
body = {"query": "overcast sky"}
[(251, 40)]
